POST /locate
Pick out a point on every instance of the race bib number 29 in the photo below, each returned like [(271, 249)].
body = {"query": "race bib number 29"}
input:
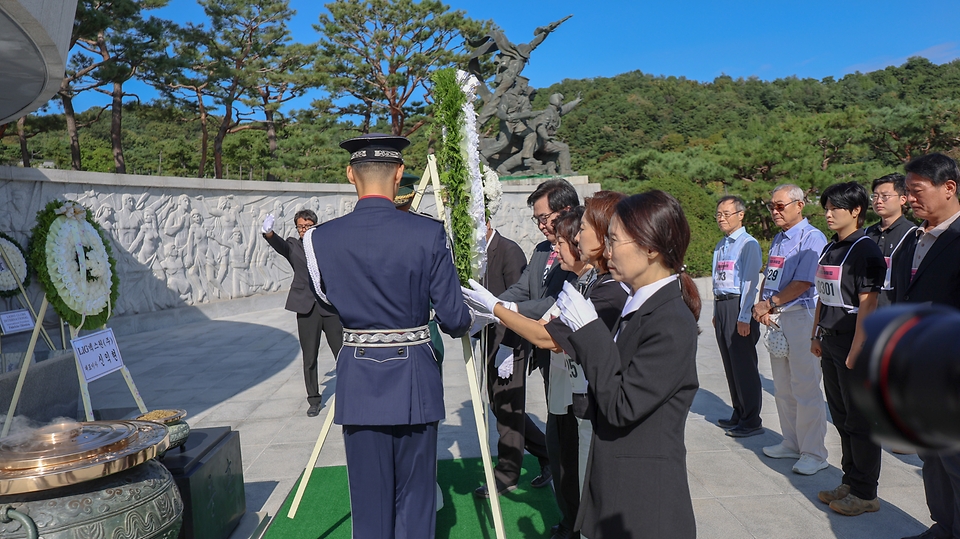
[(774, 272)]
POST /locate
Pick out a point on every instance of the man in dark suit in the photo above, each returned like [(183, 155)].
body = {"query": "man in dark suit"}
[(313, 317), (531, 296), (927, 269), (507, 376), (382, 269)]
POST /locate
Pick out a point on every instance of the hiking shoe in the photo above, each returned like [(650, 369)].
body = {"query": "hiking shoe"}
[(839, 493), (852, 506), (543, 479), (779, 451), (809, 465)]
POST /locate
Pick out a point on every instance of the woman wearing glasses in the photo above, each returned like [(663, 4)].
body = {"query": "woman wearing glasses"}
[(642, 378), (849, 278)]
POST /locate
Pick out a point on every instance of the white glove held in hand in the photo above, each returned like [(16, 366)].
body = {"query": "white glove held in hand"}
[(479, 297), (268, 224), (575, 310), (504, 362)]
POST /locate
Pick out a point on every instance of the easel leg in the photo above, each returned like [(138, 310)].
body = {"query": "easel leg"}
[(84, 388), (26, 302), (27, 358), (478, 416), (133, 389), (327, 422)]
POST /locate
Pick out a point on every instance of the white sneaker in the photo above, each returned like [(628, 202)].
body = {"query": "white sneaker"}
[(780, 451), (809, 465)]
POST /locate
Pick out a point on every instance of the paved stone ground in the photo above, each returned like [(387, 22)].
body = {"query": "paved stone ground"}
[(245, 371)]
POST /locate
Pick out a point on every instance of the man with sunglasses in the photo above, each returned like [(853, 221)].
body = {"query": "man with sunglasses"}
[(313, 316), (889, 198), (788, 300), (736, 274)]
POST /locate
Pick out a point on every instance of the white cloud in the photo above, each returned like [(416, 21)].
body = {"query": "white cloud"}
[(937, 54)]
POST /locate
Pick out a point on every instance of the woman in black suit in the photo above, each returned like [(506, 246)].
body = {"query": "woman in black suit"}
[(642, 379)]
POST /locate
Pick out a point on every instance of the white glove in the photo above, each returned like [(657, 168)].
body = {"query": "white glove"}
[(504, 362), (481, 320), (268, 223), (479, 297), (575, 310)]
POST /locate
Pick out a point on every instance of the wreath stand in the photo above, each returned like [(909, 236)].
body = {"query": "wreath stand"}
[(432, 177), (85, 384)]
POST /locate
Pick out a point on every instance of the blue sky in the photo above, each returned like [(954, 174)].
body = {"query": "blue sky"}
[(698, 40)]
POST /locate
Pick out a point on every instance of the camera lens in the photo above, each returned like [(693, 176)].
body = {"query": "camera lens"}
[(907, 378)]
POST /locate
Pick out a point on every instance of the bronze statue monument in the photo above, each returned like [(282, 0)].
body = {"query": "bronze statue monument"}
[(526, 142)]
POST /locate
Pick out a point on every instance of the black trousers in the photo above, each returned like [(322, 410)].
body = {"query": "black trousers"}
[(563, 448), (309, 327), (517, 430), (860, 459), (739, 355), (392, 473), (941, 484)]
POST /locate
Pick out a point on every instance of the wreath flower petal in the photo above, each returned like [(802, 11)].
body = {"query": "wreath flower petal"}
[(17, 258)]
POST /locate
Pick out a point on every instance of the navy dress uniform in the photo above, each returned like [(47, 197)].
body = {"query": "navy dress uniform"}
[(382, 269)]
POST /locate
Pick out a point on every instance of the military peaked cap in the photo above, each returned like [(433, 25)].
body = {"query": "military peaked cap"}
[(376, 147)]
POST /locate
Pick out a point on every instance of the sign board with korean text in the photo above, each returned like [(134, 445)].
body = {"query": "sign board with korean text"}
[(97, 354), (15, 322)]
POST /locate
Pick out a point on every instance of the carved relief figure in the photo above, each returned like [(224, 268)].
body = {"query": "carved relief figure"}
[(173, 270)]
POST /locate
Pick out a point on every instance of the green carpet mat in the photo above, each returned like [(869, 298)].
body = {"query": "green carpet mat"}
[(324, 512)]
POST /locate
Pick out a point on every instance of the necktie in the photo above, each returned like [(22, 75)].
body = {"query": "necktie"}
[(550, 260)]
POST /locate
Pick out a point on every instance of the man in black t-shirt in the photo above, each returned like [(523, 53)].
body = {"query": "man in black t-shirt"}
[(889, 198)]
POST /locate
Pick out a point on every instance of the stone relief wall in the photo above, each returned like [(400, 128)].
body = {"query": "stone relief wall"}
[(182, 241)]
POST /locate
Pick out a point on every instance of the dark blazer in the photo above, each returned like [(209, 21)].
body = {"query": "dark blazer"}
[(534, 295), (643, 386), (938, 277), (300, 299), (505, 265)]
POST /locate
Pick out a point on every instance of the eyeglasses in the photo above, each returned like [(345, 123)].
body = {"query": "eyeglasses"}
[(726, 214), (305, 227), (779, 206), (882, 198), (609, 242), (542, 219)]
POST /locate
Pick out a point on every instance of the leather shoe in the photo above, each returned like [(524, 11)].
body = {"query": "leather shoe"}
[(728, 423), (928, 534), (483, 492), (744, 432), (543, 479), (564, 533), (314, 410)]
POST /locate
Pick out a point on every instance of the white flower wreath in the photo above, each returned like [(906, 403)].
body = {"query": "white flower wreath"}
[(7, 281), (77, 262), (492, 190)]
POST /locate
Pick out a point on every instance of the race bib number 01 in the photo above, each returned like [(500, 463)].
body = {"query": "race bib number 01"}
[(774, 273), (828, 285), (723, 274)]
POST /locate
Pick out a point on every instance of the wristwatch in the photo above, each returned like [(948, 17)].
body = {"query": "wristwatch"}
[(773, 304)]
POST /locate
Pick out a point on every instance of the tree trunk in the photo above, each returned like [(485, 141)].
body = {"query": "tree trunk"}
[(22, 135), (218, 142), (72, 133), (271, 134), (115, 126), (204, 136)]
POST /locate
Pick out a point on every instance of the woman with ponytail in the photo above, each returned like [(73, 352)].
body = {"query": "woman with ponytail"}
[(643, 377)]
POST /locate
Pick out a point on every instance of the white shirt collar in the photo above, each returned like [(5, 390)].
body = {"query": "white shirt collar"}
[(637, 299)]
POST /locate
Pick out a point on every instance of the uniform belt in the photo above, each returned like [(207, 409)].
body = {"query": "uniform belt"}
[(722, 297), (386, 337)]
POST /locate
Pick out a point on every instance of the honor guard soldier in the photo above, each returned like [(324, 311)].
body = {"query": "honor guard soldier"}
[(382, 269)]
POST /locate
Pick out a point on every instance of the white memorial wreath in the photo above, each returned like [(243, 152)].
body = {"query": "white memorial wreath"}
[(15, 258), (74, 264)]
